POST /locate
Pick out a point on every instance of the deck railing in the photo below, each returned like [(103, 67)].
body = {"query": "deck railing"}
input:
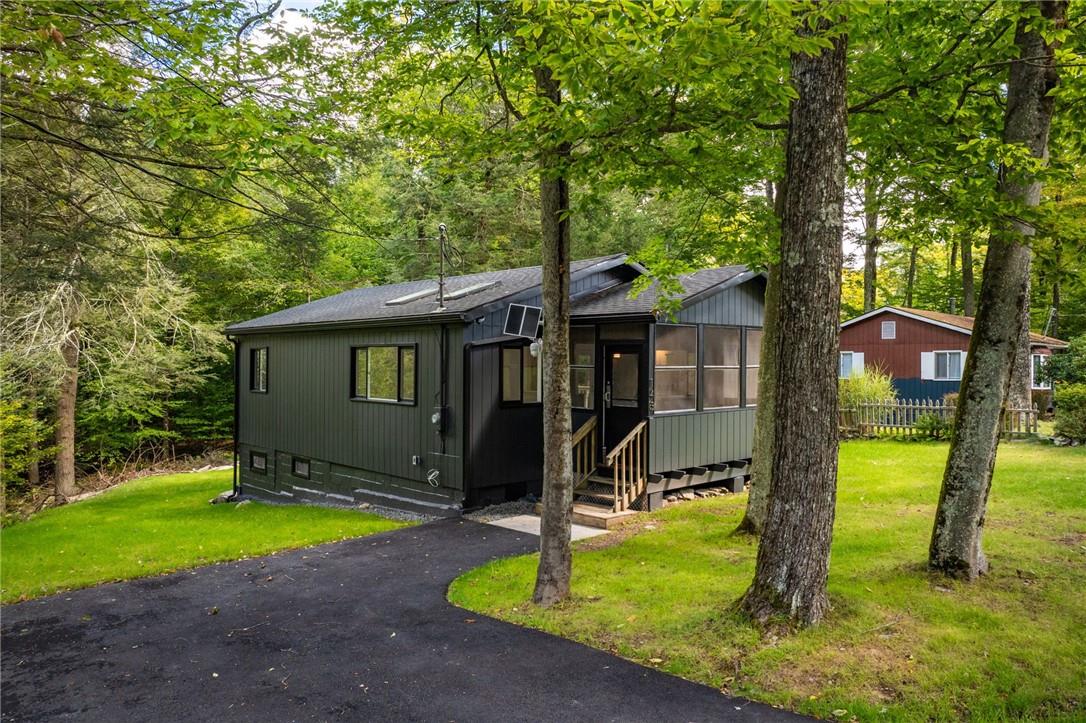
[(628, 462), (584, 444), (900, 417)]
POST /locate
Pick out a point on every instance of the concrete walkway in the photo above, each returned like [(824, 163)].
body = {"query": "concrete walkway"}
[(530, 524), (355, 630)]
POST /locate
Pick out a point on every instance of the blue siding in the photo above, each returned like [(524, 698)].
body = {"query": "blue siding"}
[(923, 388)]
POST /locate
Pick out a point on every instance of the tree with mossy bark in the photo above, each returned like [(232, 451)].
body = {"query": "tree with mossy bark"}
[(956, 542), (793, 555)]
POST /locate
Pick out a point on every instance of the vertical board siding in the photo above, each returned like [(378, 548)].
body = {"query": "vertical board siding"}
[(308, 412), (741, 305), (679, 441), (505, 442)]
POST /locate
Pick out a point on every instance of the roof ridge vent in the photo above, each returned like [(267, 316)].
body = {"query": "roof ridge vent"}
[(413, 296)]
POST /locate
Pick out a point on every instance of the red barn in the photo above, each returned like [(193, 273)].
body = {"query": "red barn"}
[(924, 351)]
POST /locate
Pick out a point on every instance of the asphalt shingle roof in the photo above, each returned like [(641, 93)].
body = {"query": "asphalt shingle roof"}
[(370, 303), (617, 299), (965, 323)]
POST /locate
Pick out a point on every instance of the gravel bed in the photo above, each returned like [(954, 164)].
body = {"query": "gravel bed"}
[(524, 506)]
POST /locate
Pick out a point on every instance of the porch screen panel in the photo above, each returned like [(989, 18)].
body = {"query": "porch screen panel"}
[(676, 362), (753, 354), (721, 367)]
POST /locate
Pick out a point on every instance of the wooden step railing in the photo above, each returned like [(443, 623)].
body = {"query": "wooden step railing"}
[(584, 444), (629, 462)]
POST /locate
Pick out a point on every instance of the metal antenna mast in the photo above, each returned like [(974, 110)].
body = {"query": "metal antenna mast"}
[(442, 250)]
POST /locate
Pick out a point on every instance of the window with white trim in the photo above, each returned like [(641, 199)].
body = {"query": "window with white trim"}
[(948, 365), (1037, 377), (721, 366), (889, 330), (675, 387), (844, 365)]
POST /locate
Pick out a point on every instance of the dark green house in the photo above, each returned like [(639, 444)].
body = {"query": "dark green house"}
[(386, 395)]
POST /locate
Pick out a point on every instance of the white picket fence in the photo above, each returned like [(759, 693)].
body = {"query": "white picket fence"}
[(899, 418)]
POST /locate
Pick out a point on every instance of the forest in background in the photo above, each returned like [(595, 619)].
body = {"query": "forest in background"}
[(169, 167)]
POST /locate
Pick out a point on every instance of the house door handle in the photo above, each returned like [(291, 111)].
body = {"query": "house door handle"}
[(607, 395)]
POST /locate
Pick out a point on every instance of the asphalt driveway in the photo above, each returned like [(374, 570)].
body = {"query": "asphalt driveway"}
[(354, 630)]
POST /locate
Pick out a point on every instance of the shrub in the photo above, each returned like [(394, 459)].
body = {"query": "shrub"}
[(1042, 399), (950, 399), (1071, 411), (1068, 367), (932, 426), (871, 386)]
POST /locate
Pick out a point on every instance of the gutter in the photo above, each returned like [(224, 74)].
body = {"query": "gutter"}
[(237, 412)]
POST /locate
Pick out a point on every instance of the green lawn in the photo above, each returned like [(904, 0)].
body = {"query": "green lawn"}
[(155, 525), (900, 644)]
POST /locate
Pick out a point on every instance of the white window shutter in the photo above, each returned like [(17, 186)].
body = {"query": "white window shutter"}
[(964, 354), (857, 362), (927, 365)]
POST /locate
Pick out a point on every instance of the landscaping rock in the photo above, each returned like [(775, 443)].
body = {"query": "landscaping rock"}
[(687, 495), (227, 496), (243, 502), (364, 506)]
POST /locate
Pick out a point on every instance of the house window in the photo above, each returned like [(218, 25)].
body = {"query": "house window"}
[(383, 374), (844, 365), (889, 330), (676, 360), (258, 462), (721, 367), (522, 376), (300, 467), (948, 365), (258, 369), (582, 366), (1037, 366), (752, 353)]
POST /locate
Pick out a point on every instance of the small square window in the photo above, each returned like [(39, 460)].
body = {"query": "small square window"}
[(300, 467), (889, 330), (258, 462)]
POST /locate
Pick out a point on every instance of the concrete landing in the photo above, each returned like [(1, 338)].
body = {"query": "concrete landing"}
[(530, 525)]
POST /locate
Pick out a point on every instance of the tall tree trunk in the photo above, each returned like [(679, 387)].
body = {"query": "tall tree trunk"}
[(793, 557), (555, 555), (959, 519), (871, 241), (969, 299), (952, 305), (910, 280), (1054, 325), (761, 473), (64, 474), (1019, 392)]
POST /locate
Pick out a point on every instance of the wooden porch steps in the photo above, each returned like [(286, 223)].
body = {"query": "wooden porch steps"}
[(598, 516)]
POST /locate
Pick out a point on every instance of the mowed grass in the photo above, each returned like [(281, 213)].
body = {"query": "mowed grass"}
[(155, 525), (900, 644)]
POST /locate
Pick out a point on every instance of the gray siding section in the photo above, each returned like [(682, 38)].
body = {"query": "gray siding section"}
[(678, 441), (352, 445), (743, 305)]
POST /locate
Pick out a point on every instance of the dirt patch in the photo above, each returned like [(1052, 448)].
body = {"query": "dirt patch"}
[(620, 534), (883, 658), (1075, 539)]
